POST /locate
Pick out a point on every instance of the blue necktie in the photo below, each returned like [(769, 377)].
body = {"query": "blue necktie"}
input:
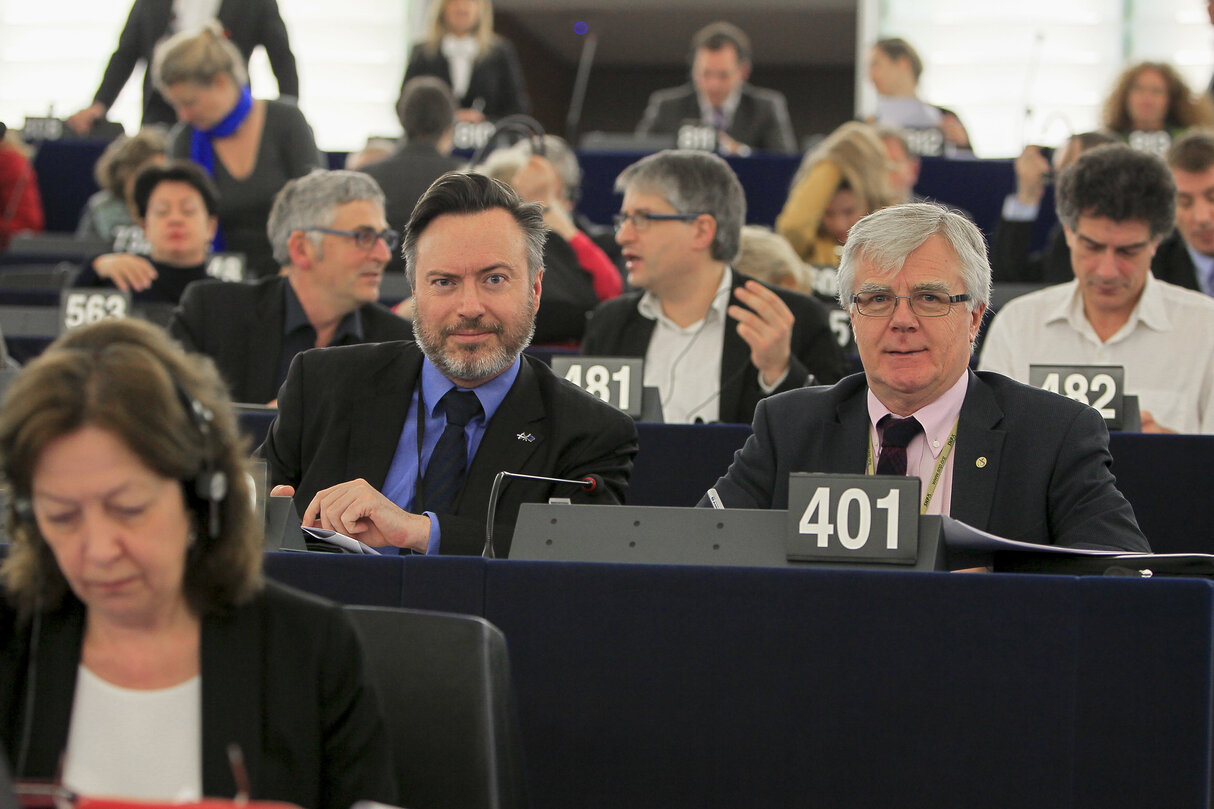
[(897, 433), (449, 461)]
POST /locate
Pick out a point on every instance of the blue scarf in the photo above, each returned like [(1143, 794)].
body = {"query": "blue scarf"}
[(202, 153)]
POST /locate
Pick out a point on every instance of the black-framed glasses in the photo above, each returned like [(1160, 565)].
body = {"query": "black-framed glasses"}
[(923, 304), (641, 219), (365, 236)]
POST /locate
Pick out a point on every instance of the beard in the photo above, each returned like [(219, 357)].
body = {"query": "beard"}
[(475, 362)]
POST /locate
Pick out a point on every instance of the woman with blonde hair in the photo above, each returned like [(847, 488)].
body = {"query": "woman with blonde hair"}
[(841, 180), (482, 68), (111, 208), (251, 147), (1151, 97)]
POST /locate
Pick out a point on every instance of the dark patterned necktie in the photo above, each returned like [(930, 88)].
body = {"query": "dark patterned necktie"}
[(897, 433), (449, 461)]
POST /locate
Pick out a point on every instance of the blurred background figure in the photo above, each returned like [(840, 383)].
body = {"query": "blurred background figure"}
[(20, 202), (426, 110), (373, 151), (1151, 105), (744, 117), (768, 257), (904, 164), (250, 147), (895, 68), (248, 23), (138, 637), (177, 207), (841, 180), (481, 68), (577, 273), (110, 213)]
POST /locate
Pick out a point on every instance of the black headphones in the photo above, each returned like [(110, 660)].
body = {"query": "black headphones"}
[(521, 124), (210, 485)]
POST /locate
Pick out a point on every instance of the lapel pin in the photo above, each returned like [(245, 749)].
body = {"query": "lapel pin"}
[(981, 462), (528, 437)]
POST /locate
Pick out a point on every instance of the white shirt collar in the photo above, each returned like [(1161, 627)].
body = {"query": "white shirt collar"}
[(1150, 311), (650, 305)]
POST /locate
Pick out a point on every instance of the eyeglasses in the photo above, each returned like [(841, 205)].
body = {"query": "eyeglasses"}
[(365, 236), (923, 304), (641, 219)]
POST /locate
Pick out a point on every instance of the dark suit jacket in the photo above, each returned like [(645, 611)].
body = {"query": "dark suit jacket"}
[(1046, 478), (760, 121), (1011, 259), (618, 329), (404, 177), (239, 326), (342, 410), (249, 22), (496, 81), (282, 677)]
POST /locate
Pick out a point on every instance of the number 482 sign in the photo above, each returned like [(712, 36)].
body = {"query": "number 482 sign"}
[(853, 518), (1101, 386)]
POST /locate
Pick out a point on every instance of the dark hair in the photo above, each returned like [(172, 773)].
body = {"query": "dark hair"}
[(1118, 183), (426, 109), (175, 171), (463, 193), (694, 182), (1193, 152), (1184, 109), (898, 48), (129, 378), (717, 35)]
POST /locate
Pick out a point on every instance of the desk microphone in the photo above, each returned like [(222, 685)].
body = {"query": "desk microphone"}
[(589, 483)]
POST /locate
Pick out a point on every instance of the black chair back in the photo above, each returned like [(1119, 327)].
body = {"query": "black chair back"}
[(444, 682)]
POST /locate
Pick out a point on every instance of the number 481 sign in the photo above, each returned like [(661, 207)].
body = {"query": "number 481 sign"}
[(853, 518)]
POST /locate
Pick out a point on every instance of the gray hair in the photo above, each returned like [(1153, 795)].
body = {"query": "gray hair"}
[(562, 158), (312, 201), (694, 182), (462, 193), (197, 56), (885, 238)]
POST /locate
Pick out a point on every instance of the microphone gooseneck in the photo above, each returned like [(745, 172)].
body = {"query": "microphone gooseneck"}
[(589, 483)]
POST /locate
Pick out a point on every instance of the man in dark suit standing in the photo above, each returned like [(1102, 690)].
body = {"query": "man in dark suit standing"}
[(714, 340), (427, 112), (398, 444), (1018, 462), (329, 235), (248, 22), (745, 117)]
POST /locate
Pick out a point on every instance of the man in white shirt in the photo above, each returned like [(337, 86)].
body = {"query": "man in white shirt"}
[(713, 340), (1116, 206)]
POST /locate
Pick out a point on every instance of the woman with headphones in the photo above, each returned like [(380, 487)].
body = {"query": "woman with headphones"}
[(142, 653)]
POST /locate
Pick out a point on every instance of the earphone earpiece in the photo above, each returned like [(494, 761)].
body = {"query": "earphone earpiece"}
[(210, 484)]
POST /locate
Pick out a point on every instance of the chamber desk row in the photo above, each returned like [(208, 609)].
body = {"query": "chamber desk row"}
[(651, 686)]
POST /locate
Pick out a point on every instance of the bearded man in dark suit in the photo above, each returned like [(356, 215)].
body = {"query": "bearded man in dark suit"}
[(359, 426)]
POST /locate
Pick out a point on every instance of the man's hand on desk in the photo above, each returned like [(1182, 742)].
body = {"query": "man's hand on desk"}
[(359, 510)]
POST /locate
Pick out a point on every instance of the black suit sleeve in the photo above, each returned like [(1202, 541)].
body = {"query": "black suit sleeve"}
[(273, 36), (188, 322), (750, 481), (1085, 509), (282, 448), (650, 117), (1010, 248), (126, 55)]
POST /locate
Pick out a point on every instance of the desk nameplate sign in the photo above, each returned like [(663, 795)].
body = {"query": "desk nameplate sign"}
[(615, 380), (853, 518), (80, 307), (1100, 386)]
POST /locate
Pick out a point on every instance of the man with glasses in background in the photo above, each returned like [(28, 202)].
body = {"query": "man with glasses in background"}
[(714, 341), (330, 236), (1001, 456)]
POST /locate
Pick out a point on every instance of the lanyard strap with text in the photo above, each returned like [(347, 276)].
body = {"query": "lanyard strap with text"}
[(870, 467)]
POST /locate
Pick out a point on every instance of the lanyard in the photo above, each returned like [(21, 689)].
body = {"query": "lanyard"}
[(870, 467)]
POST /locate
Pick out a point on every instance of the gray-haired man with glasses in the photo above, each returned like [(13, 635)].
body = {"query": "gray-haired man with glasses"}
[(330, 236), (1019, 462), (714, 341)]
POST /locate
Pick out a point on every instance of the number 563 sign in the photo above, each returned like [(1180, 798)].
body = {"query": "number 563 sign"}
[(853, 518)]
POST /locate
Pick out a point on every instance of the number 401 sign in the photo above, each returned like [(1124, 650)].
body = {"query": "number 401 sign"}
[(853, 518)]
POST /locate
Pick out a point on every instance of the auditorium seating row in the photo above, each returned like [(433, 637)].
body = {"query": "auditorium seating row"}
[(713, 688)]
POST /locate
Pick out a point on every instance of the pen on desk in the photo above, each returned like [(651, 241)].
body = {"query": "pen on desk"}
[(715, 498)]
